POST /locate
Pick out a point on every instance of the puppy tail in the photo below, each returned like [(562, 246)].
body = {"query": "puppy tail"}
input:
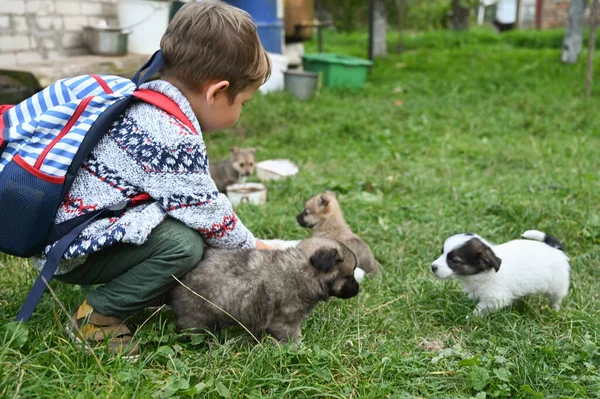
[(543, 237)]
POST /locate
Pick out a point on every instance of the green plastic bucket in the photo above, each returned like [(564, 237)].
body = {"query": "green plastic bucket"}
[(338, 70)]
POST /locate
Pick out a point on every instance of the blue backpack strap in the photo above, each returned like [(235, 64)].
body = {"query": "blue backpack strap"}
[(53, 258), (152, 66)]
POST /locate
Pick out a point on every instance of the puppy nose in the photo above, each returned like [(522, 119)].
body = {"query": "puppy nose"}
[(434, 268)]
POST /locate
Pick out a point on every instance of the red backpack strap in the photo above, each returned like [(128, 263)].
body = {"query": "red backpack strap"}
[(165, 103), (4, 108)]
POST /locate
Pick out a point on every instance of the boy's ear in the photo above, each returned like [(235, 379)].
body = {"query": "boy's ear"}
[(214, 89)]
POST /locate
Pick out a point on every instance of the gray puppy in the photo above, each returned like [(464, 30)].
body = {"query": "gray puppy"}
[(236, 168), (267, 291)]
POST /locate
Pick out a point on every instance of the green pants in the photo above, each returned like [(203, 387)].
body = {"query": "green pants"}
[(135, 276)]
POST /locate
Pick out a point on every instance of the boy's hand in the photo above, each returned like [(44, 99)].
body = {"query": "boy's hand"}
[(262, 246)]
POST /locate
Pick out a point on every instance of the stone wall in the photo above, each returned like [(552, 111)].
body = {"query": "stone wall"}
[(33, 31), (555, 14)]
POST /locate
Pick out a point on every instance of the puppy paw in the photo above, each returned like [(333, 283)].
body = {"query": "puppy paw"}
[(359, 275)]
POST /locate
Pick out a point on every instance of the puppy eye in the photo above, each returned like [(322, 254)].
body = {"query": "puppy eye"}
[(250, 164)]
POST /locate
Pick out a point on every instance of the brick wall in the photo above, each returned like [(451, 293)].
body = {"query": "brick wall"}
[(555, 14), (36, 30)]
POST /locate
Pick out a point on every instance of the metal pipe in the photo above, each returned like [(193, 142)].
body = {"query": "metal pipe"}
[(539, 7), (371, 27), (319, 27)]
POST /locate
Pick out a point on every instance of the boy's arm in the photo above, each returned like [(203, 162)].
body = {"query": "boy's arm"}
[(262, 245), (193, 199)]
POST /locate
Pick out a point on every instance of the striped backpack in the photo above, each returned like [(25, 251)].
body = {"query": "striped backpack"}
[(43, 142)]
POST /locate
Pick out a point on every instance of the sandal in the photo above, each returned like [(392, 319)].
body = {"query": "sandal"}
[(91, 328)]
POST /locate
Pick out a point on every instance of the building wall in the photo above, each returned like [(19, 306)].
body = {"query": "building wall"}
[(37, 30), (527, 14), (555, 14)]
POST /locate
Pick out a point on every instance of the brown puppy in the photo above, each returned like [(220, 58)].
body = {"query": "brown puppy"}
[(267, 291), (322, 213), (237, 167)]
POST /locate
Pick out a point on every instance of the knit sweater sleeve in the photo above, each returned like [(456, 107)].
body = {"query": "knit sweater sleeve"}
[(194, 200), (173, 169)]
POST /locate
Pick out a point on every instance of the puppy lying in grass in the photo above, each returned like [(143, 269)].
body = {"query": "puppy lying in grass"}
[(235, 169), (266, 291), (323, 214)]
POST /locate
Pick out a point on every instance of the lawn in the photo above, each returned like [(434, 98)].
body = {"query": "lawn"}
[(490, 139)]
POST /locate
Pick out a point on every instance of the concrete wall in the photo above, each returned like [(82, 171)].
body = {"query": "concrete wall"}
[(33, 31)]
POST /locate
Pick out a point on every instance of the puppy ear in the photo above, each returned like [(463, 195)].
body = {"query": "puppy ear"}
[(489, 258), (332, 193), (324, 259), (234, 150), (323, 201), (251, 149)]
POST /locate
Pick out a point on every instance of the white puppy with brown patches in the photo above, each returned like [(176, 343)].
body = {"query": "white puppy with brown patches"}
[(495, 275)]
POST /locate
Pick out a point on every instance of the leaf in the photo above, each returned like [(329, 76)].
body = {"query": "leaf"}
[(481, 395), (398, 89), (479, 378), (589, 348), (165, 351), (174, 384), (222, 389), (182, 384), (502, 374), (197, 339), (531, 392), (15, 335), (473, 361), (203, 385), (324, 374)]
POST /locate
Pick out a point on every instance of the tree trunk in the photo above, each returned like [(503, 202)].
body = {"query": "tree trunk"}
[(591, 48), (573, 41), (379, 28), (459, 18)]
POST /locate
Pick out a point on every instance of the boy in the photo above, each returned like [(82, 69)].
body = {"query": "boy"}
[(214, 63)]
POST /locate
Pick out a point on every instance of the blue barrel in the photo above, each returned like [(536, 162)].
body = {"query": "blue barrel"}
[(268, 17)]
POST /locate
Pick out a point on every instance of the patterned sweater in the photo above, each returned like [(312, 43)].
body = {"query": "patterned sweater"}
[(148, 151)]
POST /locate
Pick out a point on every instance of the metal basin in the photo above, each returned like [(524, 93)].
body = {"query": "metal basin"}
[(105, 41), (301, 84)]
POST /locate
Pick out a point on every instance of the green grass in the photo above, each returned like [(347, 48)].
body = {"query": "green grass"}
[(489, 139), (355, 43)]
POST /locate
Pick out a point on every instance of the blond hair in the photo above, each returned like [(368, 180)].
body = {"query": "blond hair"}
[(213, 41)]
